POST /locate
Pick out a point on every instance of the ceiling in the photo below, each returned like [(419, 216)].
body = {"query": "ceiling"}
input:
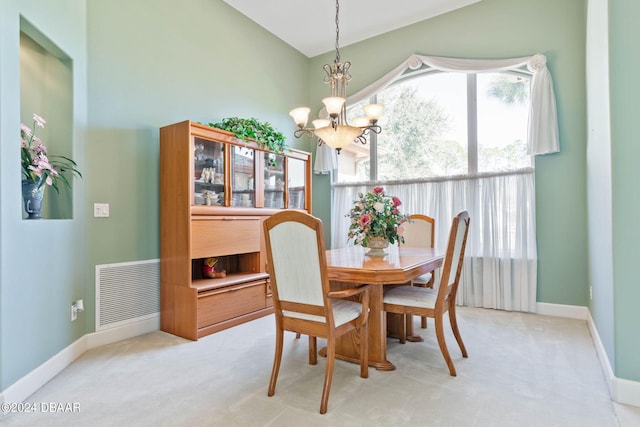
[(309, 25)]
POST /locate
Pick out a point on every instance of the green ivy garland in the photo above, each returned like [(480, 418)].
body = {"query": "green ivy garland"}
[(261, 132)]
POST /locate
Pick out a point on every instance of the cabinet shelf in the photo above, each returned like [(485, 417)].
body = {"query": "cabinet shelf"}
[(202, 285), (273, 171), (209, 184)]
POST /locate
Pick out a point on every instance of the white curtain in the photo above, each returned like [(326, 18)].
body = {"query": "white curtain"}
[(500, 264), (543, 119)]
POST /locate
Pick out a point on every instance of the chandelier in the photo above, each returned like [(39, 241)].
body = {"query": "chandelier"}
[(336, 131)]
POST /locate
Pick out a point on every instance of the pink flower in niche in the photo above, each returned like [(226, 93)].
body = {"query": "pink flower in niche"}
[(36, 165), (39, 121), (26, 129), (378, 190)]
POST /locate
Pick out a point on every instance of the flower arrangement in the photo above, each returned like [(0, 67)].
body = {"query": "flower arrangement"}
[(36, 165), (375, 214)]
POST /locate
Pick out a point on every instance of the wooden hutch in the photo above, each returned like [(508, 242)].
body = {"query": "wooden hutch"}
[(215, 192)]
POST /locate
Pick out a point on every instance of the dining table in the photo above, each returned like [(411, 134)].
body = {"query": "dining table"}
[(350, 267)]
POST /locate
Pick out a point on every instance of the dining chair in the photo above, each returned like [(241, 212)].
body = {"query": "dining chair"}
[(303, 301), (436, 302), (419, 232)]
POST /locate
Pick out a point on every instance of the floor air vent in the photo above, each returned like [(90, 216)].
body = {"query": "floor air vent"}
[(127, 292)]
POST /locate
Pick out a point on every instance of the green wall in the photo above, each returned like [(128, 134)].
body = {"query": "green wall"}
[(599, 182), (624, 68), (503, 29), (41, 262)]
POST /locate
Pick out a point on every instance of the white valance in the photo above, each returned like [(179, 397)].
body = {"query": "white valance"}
[(543, 118)]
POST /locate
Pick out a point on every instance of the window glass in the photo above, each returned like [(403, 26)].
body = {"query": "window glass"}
[(503, 108), (424, 127), (438, 124)]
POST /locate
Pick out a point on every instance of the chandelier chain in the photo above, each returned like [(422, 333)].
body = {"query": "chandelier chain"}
[(337, 31)]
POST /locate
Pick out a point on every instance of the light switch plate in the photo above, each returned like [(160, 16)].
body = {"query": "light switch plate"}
[(101, 210)]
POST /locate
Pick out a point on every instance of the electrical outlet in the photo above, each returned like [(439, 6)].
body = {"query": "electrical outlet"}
[(76, 306), (101, 210)]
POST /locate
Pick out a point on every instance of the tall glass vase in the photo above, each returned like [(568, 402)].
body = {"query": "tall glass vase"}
[(32, 196)]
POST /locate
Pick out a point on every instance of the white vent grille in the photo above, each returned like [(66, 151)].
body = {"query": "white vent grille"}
[(127, 292)]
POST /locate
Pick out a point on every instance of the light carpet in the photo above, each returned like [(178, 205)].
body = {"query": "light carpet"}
[(522, 370)]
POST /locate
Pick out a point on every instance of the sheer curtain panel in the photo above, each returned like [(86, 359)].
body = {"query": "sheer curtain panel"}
[(500, 267)]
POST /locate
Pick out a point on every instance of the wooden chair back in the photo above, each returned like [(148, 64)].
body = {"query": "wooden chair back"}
[(296, 255), (303, 300), (452, 266)]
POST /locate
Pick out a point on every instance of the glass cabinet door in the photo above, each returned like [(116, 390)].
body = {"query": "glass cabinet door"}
[(208, 171), (273, 180), (296, 174), (242, 176)]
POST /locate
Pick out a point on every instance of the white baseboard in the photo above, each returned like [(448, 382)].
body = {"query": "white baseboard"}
[(30, 383), (622, 390), (602, 355), (27, 385), (561, 310), (625, 391), (119, 333)]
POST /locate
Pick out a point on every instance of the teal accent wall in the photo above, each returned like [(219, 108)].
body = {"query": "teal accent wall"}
[(42, 263), (624, 68), (599, 176), (504, 29)]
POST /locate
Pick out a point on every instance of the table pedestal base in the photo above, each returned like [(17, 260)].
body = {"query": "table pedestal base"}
[(380, 366)]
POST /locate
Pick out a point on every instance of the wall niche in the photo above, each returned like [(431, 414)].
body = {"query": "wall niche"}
[(46, 89)]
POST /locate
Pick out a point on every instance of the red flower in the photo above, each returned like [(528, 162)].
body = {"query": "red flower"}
[(396, 201), (378, 190), (365, 220)]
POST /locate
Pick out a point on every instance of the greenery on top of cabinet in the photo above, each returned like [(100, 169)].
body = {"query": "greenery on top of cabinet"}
[(253, 129)]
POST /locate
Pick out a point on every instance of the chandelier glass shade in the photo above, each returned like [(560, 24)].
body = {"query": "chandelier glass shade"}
[(336, 131)]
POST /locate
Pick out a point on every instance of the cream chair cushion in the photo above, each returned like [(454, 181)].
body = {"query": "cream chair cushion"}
[(343, 311), (411, 296), (422, 279)]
